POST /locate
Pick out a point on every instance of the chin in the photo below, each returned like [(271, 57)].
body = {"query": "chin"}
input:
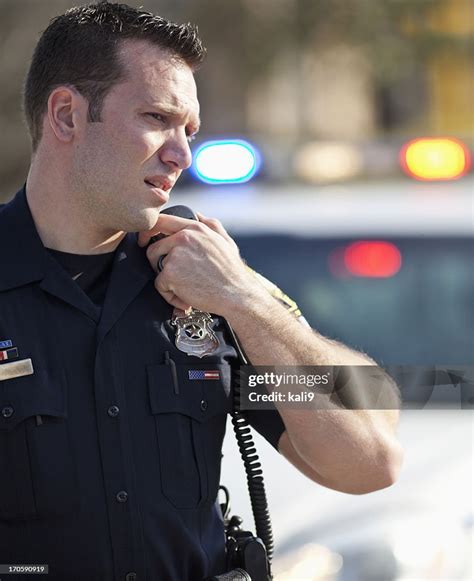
[(142, 221)]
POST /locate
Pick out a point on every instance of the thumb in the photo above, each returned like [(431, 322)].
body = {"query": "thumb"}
[(145, 236)]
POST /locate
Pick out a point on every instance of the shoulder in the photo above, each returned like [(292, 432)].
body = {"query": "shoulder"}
[(2, 212)]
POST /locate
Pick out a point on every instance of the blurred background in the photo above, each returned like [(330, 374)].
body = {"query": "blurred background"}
[(336, 147), (328, 90)]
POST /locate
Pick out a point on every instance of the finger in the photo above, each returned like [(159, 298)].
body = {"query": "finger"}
[(213, 224), (160, 263), (145, 236), (172, 299), (163, 247), (216, 226), (166, 224), (169, 296)]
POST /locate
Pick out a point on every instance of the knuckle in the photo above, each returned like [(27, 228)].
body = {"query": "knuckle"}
[(161, 284), (199, 227), (215, 223), (185, 236), (168, 262), (150, 253)]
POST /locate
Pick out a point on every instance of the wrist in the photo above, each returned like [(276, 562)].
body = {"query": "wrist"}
[(248, 305)]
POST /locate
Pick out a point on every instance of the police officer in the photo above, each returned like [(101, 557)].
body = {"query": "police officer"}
[(112, 419)]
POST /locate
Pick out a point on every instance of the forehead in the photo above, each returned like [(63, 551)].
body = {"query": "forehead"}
[(152, 74)]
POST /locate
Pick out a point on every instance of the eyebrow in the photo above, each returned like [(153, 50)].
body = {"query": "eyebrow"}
[(174, 112)]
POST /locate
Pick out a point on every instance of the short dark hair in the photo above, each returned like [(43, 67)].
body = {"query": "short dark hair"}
[(80, 48)]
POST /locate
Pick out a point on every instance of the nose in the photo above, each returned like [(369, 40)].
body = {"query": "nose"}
[(176, 152)]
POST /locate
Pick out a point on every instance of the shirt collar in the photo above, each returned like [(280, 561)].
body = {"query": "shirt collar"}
[(24, 257)]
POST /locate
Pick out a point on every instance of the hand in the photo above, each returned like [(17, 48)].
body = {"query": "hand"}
[(202, 267)]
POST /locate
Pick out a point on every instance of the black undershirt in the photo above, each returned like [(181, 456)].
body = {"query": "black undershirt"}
[(90, 271)]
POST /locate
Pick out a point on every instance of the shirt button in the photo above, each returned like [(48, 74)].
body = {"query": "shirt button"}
[(131, 577), (203, 405), (122, 496), (7, 411), (113, 411)]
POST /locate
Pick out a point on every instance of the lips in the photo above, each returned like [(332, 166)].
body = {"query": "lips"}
[(159, 182), (159, 192)]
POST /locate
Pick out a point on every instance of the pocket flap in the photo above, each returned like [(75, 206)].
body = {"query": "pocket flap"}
[(42, 393), (198, 398)]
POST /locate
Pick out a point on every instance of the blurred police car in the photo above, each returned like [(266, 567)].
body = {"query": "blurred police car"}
[(385, 267)]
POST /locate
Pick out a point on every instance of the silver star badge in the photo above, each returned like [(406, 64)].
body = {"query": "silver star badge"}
[(194, 334)]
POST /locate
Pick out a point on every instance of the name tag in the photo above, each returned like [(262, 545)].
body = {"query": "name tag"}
[(16, 369)]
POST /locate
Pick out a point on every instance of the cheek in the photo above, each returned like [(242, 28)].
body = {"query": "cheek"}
[(120, 149), (150, 142), (136, 147)]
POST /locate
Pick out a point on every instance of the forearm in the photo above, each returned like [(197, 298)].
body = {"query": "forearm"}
[(339, 444), (257, 320)]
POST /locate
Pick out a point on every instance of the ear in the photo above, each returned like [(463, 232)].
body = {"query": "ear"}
[(67, 110)]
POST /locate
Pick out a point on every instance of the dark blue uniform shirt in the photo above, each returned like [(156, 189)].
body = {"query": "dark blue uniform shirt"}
[(108, 470)]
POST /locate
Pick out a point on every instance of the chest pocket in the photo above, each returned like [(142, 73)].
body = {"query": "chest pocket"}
[(37, 472), (190, 420)]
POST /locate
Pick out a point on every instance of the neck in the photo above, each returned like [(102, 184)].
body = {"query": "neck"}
[(61, 222)]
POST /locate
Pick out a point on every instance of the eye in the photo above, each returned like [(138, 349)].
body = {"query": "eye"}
[(191, 138), (158, 117)]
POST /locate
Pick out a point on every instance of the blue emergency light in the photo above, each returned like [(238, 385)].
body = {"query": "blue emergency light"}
[(230, 161)]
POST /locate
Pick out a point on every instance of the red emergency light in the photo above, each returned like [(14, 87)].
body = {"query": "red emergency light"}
[(372, 258)]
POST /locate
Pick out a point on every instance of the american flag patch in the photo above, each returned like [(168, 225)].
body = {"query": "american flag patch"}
[(201, 374), (9, 354), (6, 344)]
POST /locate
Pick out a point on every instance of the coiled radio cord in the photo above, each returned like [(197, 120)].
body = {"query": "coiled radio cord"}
[(248, 452)]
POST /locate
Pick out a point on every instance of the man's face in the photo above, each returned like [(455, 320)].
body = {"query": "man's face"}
[(125, 165)]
